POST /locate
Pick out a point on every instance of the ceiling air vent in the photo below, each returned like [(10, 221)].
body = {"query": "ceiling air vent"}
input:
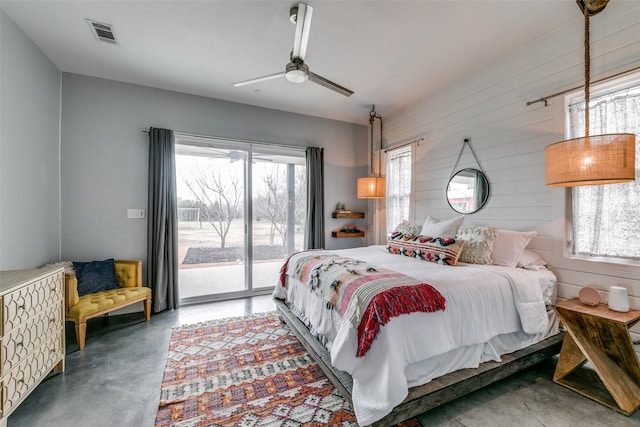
[(102, 32)]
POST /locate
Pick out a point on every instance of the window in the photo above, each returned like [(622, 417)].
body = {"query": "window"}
[(605, 219), (398, 186)]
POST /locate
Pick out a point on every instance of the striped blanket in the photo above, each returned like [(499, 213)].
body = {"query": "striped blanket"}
[(367, 295)]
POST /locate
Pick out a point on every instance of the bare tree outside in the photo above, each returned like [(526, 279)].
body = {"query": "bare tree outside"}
[(274, 200), (220, 194), (301, 196), (271, 201)]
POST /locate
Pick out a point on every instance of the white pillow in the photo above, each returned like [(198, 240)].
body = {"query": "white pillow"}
[(478, 243), (509, 245), (531, 260), (435, 228)]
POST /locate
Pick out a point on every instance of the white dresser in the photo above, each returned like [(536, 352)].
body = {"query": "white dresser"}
[(32, 331)]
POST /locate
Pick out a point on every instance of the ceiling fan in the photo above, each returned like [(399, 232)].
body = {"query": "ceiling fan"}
[(296, 70)]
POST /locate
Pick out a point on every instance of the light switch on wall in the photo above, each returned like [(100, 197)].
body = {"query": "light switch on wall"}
[(136, 214)]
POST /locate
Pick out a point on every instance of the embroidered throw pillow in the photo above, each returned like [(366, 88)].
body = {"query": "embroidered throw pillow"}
[(406, 228), (478, 243), (95, 276), (438, 250)]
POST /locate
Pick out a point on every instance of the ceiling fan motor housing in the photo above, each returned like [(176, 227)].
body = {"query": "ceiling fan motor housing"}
[(297, 71)]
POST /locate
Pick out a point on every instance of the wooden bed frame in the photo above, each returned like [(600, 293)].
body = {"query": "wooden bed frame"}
[(436, 392)]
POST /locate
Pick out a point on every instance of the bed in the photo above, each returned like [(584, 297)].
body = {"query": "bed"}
[(416, 359)]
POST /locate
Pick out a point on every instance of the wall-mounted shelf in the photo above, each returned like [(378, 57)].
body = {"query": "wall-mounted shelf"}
[(337, 214), (347, 215), (342, 234)]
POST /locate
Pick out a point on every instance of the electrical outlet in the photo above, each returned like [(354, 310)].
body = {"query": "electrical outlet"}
[(142, 214)]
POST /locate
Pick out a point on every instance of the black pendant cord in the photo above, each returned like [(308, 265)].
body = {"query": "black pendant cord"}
[(372, 117), (466, 142)]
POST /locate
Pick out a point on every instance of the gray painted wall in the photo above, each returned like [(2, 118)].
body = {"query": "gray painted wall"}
[(104, 156), (29, 152)]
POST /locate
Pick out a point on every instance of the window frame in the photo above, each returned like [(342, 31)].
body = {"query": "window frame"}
[(410, 148), (251, 148), (613, 85)]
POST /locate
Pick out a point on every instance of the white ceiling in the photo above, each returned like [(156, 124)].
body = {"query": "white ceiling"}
[(388, 52)]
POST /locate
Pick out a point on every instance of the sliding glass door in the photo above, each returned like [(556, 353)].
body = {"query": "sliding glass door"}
[(240, 214), (278, 212)]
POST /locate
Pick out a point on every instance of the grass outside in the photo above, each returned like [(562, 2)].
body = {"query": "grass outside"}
[(193, 234)]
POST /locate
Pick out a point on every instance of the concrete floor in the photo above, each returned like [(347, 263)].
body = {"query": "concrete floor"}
[(115, 381)]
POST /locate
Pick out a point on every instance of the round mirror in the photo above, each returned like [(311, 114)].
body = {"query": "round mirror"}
[(468, 191)]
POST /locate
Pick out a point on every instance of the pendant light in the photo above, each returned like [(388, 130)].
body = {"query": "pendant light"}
[(591, 159), (373, 186)]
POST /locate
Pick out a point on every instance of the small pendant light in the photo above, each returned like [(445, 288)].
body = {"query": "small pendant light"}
[(374, 186)]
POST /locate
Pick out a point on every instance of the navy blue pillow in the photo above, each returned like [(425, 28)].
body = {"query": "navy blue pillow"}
[(95, 276)]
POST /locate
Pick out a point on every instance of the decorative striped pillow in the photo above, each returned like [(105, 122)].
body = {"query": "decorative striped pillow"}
[(445, 251)]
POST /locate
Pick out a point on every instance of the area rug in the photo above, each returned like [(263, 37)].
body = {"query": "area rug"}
[(246, 371)]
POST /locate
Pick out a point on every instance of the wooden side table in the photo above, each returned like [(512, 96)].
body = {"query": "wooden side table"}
[(601, 337)]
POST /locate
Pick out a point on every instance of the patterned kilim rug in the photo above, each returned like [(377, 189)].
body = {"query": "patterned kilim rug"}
[(248, 371)]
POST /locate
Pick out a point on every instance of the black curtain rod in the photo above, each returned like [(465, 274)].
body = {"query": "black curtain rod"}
[(246, 141), (417, 141), (545, 98)]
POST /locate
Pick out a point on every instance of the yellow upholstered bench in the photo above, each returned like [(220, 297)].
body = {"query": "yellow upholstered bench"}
[(80, 309)]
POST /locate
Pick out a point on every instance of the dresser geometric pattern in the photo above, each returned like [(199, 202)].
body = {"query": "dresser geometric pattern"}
[(32, 332)]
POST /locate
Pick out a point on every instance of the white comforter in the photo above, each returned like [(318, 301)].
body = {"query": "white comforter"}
[(490, 310)]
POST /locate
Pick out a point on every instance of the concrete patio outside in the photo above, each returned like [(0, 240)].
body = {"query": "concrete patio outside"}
[(197, 280), (216, 279)]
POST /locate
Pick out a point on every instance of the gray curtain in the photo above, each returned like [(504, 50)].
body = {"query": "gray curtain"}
[(314, 232), (162, 221)]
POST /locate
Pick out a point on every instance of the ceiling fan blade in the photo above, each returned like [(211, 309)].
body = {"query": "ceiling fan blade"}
[(259, 79), (303, 25), (329, 84)]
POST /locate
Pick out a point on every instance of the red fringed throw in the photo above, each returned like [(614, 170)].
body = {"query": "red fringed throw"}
[(394, 302), (283, 271)]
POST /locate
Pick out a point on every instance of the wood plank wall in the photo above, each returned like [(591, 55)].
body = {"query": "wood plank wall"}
[(489, 108)]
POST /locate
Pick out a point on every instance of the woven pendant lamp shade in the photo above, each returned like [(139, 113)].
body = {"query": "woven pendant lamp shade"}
[(372, 187), (591, 160)]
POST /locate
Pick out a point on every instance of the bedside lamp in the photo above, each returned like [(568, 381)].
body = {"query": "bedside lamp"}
[(372, 187)]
